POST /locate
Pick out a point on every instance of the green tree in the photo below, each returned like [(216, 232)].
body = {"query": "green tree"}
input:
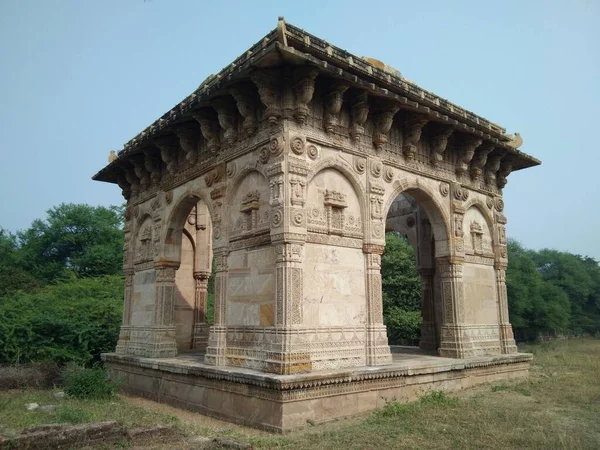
[(78, 238), (401, 286)]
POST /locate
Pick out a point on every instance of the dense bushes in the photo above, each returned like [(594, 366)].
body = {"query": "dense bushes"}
[(89, 383), (73, 321)]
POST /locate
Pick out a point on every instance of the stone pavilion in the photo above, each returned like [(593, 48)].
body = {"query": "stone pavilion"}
[(286, 169)]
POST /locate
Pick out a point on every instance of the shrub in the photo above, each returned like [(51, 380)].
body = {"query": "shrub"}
[(402, 325), (438, 398), (74, 321), (89, 383)]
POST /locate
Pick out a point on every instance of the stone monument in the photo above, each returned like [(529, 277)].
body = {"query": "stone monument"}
[(287, 168)]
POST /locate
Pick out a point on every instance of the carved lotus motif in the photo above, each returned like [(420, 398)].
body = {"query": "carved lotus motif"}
[(297, 145)]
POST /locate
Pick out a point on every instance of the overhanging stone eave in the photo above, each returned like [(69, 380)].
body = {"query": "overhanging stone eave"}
[(203, 99), (521, 159)]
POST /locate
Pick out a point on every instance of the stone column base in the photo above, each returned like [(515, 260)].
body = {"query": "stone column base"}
[(507, 340), (217, 346), (378, 350), (150, 342), (427, 340), (200, 339)]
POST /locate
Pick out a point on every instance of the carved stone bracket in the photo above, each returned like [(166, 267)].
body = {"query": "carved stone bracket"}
[(466, 150), (153, 165), (188, 140), (140, 171), (304, 88), (382, 123), (480, 159), (268, 82), (411, 135), (492, 166), (169, 147), (226, 114), (359, 112), (439, 142), (209, 127), (333, 105), (503, 173), (246, 105)]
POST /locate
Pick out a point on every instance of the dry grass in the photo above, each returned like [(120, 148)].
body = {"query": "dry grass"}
[(557, 407)]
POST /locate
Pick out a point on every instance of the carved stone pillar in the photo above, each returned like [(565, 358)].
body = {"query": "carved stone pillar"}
[(200, 310), (217, 339), (427, 341), (507, 340), (162, 342), (125, 332), (378, 350), (282, 359), (454, 343)]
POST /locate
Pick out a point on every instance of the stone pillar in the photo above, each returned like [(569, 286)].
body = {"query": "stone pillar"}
[(282, 359), (217, 339), (454, 341), (200, 310), (507, 341), (125, 332), (427, 340), (162, 343), (377, 348)]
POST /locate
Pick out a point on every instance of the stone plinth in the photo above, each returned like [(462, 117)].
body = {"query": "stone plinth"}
[(286, 402)]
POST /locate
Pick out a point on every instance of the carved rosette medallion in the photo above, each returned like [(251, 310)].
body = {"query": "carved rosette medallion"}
[(276, 146), (312, 151), (444, 189), (297, 145), (499, 204), (276, 218), (388, 174), (376, 168), (298, 218), (263, 155), (360, 164)]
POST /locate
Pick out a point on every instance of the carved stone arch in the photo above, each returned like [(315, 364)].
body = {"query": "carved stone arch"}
[(346, 170), (437, 214), (485, 212), (170, 251), (234, 184)]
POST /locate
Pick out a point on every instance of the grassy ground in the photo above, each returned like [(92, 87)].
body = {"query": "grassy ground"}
[(557, 407)]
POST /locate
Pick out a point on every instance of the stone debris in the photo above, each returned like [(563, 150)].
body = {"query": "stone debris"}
[(59, 394), (47, 408), (31, 406), (231, 443), (56, 436)]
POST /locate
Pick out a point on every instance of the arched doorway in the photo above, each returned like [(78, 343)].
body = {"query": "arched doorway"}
[(416, 236), (189, 243)]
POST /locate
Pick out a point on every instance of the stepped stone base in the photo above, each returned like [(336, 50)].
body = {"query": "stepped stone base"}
[(286, 402)]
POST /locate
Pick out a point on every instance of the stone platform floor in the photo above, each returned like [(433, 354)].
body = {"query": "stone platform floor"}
[(285, 402)]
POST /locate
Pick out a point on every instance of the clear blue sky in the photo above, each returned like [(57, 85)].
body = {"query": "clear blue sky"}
[(78, 78)]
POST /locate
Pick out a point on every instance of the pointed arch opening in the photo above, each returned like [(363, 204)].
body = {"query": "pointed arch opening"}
[(416, 236)]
